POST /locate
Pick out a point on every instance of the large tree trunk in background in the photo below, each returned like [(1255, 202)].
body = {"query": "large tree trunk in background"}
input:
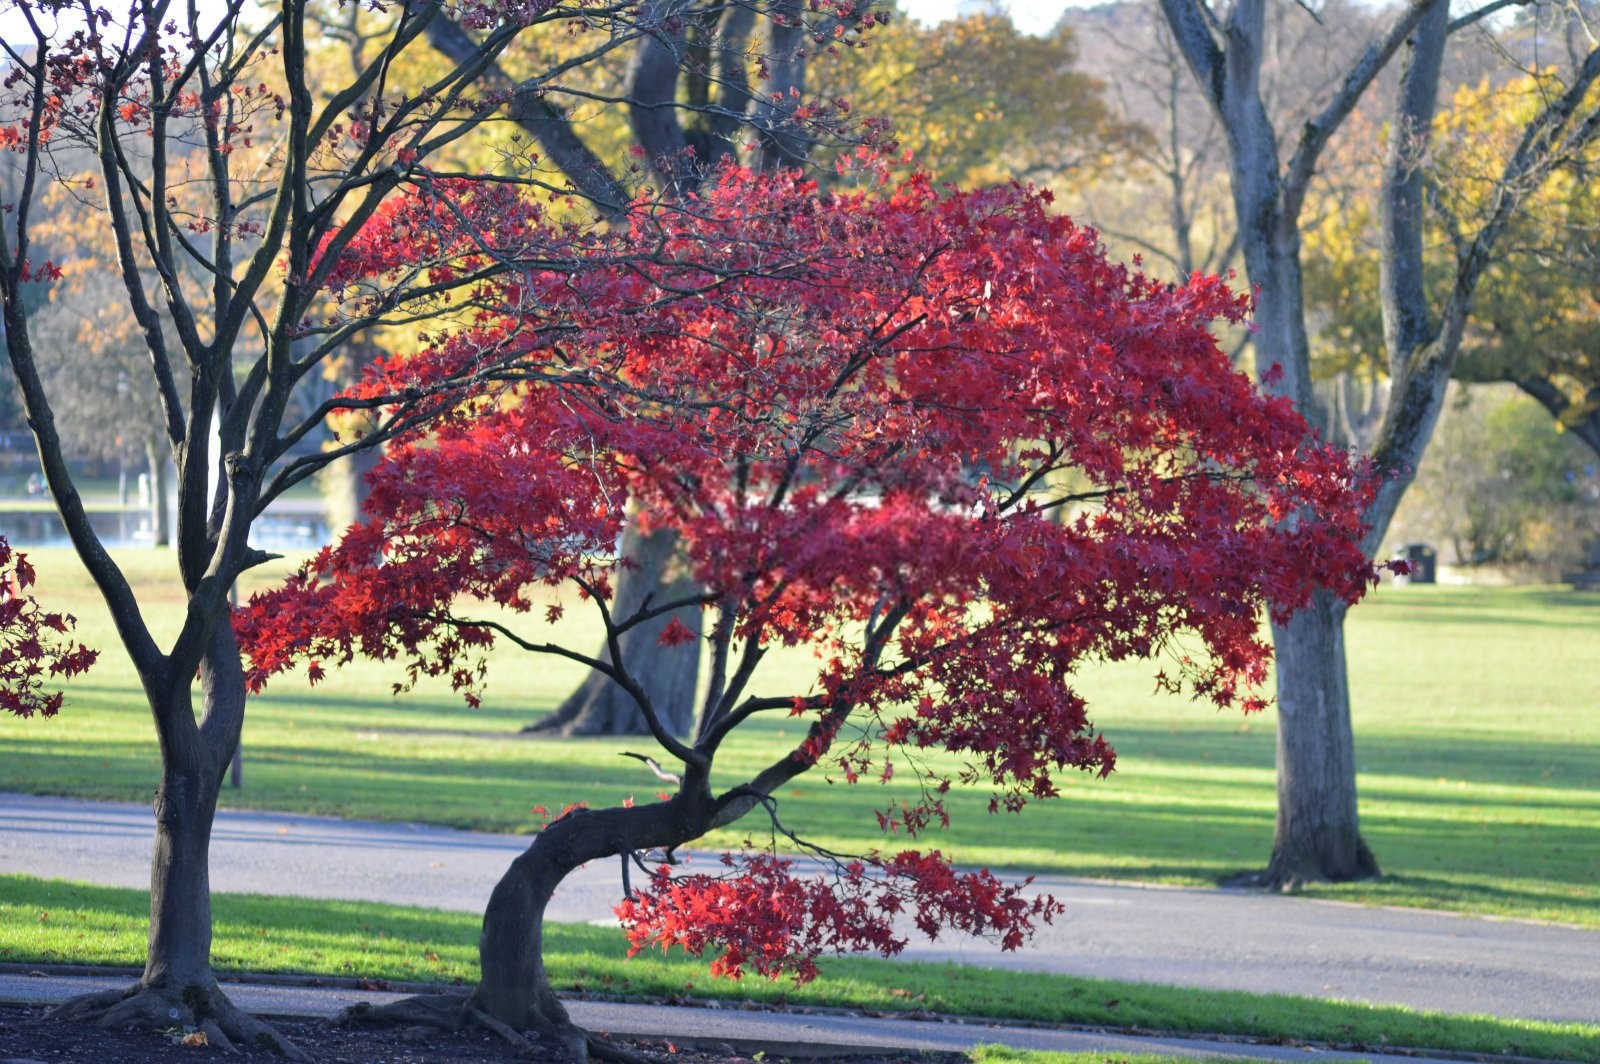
[(343, 486), (1317, 835), (668, 674), (155, 459)]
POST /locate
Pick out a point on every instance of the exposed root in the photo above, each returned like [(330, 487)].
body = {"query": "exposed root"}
[(242, 1028), (205, 1008), (215, 1036), (483, 1019), (88, 1008), (601, 1049), (1289, 874), (448, 1012), (452, 1012)]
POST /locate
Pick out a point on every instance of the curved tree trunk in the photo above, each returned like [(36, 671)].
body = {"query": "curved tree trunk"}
[(180, 878), (514, 986), (514, 997), (669, 674)]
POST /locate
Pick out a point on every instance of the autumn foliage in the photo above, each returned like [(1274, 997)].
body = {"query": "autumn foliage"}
[(937, 436), (34, 643)]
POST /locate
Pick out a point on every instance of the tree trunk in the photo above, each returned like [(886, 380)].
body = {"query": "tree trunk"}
[(180, 880), (514, 987), (155, 458), (669, 674), (344, 488), (1317, 835)]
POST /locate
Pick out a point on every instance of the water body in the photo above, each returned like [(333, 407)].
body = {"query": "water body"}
[(132, 528)]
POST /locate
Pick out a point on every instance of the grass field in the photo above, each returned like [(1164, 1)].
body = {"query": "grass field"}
[(44, 921), (1477, 741)]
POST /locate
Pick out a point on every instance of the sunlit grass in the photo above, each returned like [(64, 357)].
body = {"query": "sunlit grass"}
[(1477, 743), (43, 921)]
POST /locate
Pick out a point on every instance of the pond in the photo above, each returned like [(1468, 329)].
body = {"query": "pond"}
[(131, 528)]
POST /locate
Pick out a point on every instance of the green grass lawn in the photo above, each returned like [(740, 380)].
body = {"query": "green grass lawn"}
[(55, 921), (1477, 741)]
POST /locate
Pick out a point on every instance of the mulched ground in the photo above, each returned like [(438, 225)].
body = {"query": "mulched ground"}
[(28, 1037)]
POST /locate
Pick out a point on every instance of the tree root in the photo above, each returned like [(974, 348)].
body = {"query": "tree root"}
[(454, 1012), (203, 1007), (601, 1049), (488, 1022), (447, 1012)]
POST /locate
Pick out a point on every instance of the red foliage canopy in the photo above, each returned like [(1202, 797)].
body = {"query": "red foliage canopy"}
[(939, 436), (33, 643)]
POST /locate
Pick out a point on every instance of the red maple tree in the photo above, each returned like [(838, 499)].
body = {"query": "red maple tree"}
[(939, 437), (34, 643)]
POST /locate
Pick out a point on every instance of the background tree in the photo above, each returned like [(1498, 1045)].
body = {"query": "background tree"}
[(974, 100), (1501, 485), (91, 350), (1537, 319), (803, 389), (710, 82), (1167, 199), (1317, 834), (170, 100), (1533, 324)]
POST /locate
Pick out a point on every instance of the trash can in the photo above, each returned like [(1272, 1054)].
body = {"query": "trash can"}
[(1424, 562)]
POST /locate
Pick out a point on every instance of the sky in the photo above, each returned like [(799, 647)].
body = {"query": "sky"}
[(1030, 16)]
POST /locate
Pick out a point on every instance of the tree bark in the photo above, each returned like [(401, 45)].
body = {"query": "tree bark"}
[(180, 878), (669, 674), (1317, 835), (1554, 400), (178, 986), (514, 987), (343, 487)]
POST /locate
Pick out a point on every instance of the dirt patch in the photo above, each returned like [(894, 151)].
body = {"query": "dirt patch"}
[(27, 1036)]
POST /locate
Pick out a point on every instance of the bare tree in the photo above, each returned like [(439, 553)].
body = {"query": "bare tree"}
[(1317, 834)]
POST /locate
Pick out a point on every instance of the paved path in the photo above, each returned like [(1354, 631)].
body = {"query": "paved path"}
[(785, 1034), (1209, 938)]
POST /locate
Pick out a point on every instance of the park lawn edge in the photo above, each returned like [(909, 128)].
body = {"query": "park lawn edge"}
[(1007, 1055), (59, 922)]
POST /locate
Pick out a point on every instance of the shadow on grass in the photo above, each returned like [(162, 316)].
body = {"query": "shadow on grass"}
[(1518, 762), (1452, 893), (1485, 605)]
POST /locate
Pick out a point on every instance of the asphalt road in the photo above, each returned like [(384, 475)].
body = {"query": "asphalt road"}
[(1208, 938)]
